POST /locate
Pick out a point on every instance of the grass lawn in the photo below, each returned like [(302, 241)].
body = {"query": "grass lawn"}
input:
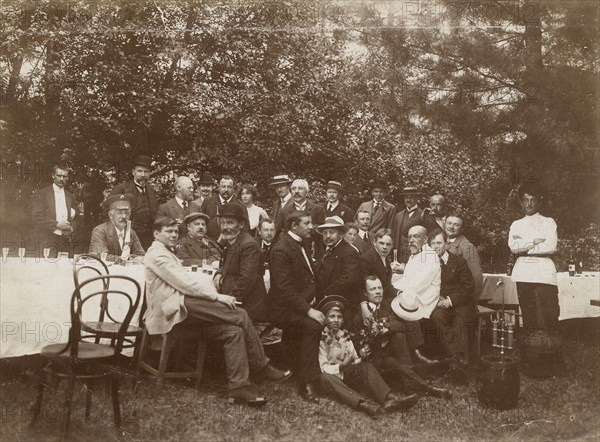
[(552, 409)]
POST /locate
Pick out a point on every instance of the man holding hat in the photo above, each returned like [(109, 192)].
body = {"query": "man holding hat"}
[(338, 271), (382, 212), (534, 240), (144, 205), (281, 184), (241, 269), (345, 374), (405, 219), (195, 247), (333, 206), (116, 237), (206, 186), (181, 204)]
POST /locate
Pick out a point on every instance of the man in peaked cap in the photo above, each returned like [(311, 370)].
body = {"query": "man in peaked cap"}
[(112, 236), (181, 204), (144, 205), (382, 212), (195, 246), (281, 184), (241, 270), (333, 206)]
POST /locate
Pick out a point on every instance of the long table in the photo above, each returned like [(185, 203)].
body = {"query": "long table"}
[(575, 293), (35, 298)]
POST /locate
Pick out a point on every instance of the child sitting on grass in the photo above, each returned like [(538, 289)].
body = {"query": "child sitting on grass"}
[(345, 376)]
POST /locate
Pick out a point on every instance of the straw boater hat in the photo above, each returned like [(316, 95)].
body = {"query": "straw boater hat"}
[(334, 185), (332, 222), (331, 301), (118, 201), (410, 190), (278, 180), (407, 306), (195, 215)]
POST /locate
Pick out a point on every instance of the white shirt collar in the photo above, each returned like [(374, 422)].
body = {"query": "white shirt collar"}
[(451, 240), (266, 243), (362, 233), (179, 201), (377, 202), (410, 209), (118, 231), (300, 206), (294, 236), (333, 205), (445, 257), (224, 201), (58, 189), (336, 244), (372, 306), (286, 198)]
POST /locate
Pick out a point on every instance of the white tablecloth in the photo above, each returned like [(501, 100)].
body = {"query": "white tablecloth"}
[(574, 293), (35, 302)]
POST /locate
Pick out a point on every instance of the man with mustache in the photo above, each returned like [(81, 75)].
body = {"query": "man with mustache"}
[(111, 237), (206, 185), (313, 243), (404, 220), (195, 247), (363, 240), (181, 204), (281, 183), (266, 236), (211, 206), (144, 205), (434, 216), (382, 213), (241, 269)]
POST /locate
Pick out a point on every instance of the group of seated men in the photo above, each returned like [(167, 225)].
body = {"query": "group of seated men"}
[(327, 265)]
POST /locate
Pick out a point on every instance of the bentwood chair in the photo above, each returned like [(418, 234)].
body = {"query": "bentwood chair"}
[(78, 360), (106, 326)]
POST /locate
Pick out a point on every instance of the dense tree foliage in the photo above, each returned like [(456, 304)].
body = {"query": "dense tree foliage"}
[(465, 98)]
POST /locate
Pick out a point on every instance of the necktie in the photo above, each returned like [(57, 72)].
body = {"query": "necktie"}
[(185, 207), (376, 208), (329, 208), (366, 238), (121, 239), (141, 189)]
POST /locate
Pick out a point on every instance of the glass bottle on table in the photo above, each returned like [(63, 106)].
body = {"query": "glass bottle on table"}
[(571, 265)]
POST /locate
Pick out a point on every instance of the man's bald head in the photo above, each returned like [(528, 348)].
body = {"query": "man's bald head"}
[(184, 188), (437, 203), (417, 237)]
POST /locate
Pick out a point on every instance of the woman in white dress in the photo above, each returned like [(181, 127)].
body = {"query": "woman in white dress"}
[(248, 195)]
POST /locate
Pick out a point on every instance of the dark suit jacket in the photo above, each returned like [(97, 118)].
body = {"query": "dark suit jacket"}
[(192, 251), (338, 273), (242, 269), (104, 239), (265, 252), (44, 210), (277, 207), (317, 214), (384, 216), (371, 264), (341, 210), (210, 206), (457, 284), (461, 246), (401, 224), (129, 187), (172, 209), (363, 245), (292, 282)]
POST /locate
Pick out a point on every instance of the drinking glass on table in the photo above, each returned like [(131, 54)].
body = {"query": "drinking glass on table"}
[(46, 252), (103, 256), (4, 253), (22, 253)]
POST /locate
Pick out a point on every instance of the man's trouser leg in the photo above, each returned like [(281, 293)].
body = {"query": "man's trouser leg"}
[(218, 313), (451, 331), (365, 378), (411, 329), (301, 340), (540, 344), (336, 388)]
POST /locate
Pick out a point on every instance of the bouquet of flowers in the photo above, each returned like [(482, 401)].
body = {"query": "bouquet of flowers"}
[(375, 335)]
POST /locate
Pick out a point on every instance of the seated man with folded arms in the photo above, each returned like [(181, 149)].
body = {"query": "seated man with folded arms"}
[(112, 236), (174, 294), (419, 288), (195, 246), (389, 351), (345, 374), (456, 307)]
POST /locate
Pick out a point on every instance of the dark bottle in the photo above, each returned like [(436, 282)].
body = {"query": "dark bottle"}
[(571, 265)]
